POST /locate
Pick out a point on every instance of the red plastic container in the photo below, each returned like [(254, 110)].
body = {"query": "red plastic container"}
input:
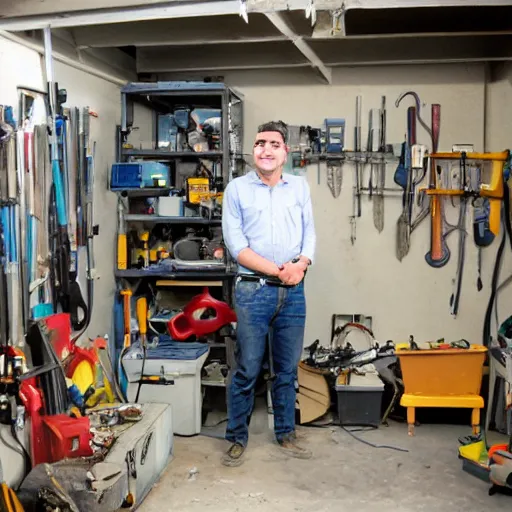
[(187, 324), (59, 325), (67, 437), (33, 402)]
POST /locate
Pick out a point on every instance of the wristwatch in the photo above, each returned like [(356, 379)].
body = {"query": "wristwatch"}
[(297, 259)]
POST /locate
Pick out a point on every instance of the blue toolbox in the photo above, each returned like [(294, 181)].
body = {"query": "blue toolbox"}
[(135, 175)]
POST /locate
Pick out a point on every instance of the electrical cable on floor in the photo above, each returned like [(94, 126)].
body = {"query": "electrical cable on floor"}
[(213, 436), (217, 424), (398, 449), (351, 432), (204, 430)]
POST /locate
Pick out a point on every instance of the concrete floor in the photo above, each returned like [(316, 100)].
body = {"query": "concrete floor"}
[(344, 475)]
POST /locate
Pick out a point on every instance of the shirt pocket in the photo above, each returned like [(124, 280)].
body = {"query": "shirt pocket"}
[(293, 211), (253, 211)]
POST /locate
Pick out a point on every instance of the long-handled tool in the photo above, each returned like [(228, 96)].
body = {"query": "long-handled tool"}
[(67, 290), (378, 200), (356, 199), (43, 184), (403, 177), (455, 297), (406, 225), (439, 253)]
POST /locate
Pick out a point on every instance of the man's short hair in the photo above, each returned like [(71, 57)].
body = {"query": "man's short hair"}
[(275, 126)]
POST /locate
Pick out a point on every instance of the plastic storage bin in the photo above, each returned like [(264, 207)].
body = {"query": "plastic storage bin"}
[(135, 175), (360, 400), (175, 372)]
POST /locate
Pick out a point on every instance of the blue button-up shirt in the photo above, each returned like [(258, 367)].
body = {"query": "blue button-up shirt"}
[(275, 222)]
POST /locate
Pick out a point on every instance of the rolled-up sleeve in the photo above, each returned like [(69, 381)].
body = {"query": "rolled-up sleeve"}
[(308, 226), (232, 231)]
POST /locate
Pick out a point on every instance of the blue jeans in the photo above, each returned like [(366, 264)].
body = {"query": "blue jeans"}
[(261, 310)]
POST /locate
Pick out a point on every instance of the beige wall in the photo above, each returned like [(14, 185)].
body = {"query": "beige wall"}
[(403, 298)]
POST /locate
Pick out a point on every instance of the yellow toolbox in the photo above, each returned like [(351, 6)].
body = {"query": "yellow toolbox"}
[(442, 378), (196, 189)]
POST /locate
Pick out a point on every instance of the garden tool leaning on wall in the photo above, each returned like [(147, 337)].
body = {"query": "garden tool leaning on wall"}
[(13, 320), (64, 264)]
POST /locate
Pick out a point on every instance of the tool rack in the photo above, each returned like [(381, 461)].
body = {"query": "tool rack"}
[(161, 98)]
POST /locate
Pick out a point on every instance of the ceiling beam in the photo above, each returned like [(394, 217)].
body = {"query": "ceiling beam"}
[(391, 4), (32, 18), (282, 25), (332, 53), (31, 7), (225, 57), (184, 31), (367, 52), (166, 10)]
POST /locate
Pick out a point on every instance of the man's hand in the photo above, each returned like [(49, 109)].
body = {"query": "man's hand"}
[(292, 273)]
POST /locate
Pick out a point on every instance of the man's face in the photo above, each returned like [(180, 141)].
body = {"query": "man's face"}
[(270, 152)]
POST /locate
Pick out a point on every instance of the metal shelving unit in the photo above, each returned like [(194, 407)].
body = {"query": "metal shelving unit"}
[(226, 163), (164, 94), (171, 220), (205, 274), (169, 155)]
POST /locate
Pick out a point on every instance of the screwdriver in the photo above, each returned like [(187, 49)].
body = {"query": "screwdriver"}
[(142, 316), (122, 248), (127, 294)]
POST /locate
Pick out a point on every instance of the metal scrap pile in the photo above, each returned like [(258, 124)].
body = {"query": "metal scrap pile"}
[(352, 346)]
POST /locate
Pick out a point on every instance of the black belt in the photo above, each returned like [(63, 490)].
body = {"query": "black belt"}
[(271, 281)]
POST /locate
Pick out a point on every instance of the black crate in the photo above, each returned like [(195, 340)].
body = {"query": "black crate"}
[(360, 402)]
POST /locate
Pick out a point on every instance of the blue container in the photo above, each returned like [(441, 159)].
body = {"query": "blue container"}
[(42, 310), (135, 175)]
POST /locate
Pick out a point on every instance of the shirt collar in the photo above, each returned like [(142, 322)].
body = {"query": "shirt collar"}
[(254, 177)]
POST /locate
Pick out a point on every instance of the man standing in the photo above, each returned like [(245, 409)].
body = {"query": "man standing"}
[(268, 228)]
